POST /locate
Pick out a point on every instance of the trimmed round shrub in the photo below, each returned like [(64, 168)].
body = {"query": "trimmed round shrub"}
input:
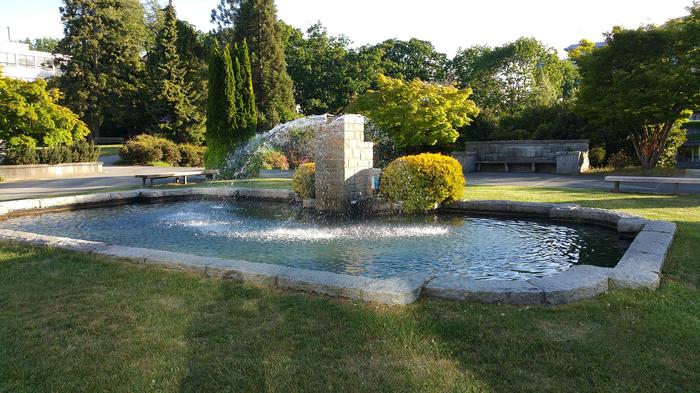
[(191, 155), (304, 180), (422, 181), (85, 152)]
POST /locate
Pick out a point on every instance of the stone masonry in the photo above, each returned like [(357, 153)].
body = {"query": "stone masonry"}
[(564, 157), (343, 163)]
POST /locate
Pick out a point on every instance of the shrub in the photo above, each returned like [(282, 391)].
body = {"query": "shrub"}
[(140, 152), (597, 156), (21, 141), (191, 155), (304, 180), (54, 155), (420, 182), (85, 152), (620, 160), (273, 159), (25, 155), (20, 155), (144, 149)]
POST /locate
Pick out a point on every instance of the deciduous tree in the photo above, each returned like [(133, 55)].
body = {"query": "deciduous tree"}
[(645, 81), (416, 113)]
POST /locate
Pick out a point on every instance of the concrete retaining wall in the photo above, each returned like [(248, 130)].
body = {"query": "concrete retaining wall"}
[(42, 171), (640, 267)]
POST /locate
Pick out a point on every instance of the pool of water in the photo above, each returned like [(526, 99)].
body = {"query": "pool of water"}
[(457, 244)]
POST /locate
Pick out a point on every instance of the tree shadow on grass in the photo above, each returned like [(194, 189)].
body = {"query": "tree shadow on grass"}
[(252, 340)]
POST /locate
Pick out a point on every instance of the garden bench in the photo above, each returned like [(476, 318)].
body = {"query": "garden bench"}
[(207, 173), (677, 181), (532, 161)]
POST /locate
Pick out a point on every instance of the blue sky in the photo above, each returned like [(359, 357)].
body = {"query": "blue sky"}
[(449, 24)]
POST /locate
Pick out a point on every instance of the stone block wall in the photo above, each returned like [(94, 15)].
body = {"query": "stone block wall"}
[(569, 156), (343, 163)]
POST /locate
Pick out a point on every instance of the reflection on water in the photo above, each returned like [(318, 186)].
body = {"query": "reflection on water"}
[(484, 248)]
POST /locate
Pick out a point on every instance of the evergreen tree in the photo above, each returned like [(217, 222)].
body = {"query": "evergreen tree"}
[(102, 75), (217, 119), (170, 106), (250, 123), (240, 110), (256, 21)]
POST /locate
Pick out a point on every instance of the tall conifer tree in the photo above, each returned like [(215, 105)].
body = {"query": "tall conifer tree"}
[(103, 41), (170, 105), (256, 21)]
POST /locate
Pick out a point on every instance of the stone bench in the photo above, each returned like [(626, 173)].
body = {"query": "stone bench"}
[(677, 181), (207, 173), (515, 161)]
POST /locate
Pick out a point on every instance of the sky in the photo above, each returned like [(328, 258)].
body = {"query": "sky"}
[(448, 24)]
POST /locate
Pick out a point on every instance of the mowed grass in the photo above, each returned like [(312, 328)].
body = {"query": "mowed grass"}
[(72, 322), (109, 150)]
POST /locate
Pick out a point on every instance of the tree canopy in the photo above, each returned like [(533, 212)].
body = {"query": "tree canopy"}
[(644, 81), (103, 75), (509, 78), (417, 113), (29, 113)]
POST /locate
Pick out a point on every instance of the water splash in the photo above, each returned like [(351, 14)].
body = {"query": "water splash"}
[(239, 162)]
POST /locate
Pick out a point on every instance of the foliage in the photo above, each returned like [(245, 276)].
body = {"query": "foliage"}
[(28, 110), (512, 77), (304, 180), (320, 67), (420, 182), (256, 22), (231, 110), (299, 148), (145, 149), (218, 121), (25, 154), (43, 44), (644, 82), (417, 113), (596, 155), (103, 71), (676, 138), (191, 155), (273, 159), (412, 59), (171, 103), (620, 160)]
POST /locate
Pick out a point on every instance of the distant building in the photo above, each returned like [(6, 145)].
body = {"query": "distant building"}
[(689, 153), (19, 62)]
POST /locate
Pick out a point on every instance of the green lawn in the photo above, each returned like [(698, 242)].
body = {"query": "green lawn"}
[(109, 150), (72, 322)]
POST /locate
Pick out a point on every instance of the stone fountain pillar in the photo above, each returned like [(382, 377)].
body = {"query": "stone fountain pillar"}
[(343, 163)]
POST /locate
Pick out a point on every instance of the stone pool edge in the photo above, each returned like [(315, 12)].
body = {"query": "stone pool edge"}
[(640, 266)]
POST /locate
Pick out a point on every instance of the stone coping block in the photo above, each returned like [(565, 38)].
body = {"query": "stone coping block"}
[(484, 291), (640, 267), (576, 283), (631, 225)]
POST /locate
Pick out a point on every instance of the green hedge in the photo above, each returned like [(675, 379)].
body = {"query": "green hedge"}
[(27, 155)]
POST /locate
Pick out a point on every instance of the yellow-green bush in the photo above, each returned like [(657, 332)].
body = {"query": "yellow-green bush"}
[(304, 180), (420, 182)]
